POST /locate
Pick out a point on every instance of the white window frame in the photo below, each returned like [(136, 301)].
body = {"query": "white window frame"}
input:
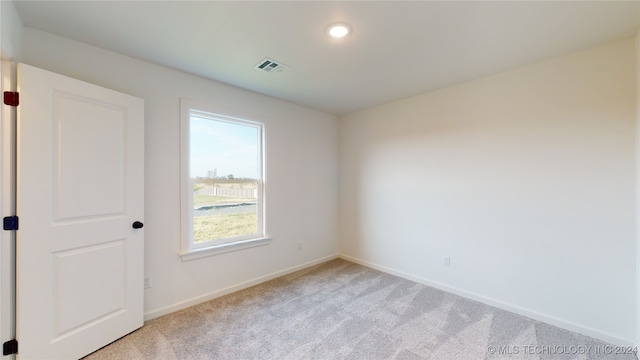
[(190, 250)]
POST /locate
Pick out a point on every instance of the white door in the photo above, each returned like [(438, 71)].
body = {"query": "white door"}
[(80, 162)]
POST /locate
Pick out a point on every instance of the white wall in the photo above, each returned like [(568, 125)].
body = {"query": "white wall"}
[(10, 31), (526, 179), (301, 166)]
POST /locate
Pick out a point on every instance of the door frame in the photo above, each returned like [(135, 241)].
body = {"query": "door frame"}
[(7, 207)]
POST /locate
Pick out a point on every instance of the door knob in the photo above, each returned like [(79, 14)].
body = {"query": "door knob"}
[(137, 225)]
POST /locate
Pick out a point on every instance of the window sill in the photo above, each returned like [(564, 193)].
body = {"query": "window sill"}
[(224, 248)]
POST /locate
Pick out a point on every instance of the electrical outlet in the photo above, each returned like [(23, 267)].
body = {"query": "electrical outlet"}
[(147, 282), (299, 245), (447, 261)]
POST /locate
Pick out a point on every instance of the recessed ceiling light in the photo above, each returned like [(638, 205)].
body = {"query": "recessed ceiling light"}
[(338, 30)]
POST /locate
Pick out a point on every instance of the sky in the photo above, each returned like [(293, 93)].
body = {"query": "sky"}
[(230, 148)]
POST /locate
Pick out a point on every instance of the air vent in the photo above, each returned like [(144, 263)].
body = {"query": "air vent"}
[(270, 66)]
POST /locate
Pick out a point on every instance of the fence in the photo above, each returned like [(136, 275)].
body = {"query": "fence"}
[(232, 192), (227, 187)]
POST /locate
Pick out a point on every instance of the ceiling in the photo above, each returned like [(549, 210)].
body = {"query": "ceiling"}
[(397, 49)]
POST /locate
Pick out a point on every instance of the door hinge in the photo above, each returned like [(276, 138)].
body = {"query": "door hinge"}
[(10, 347), (11, 98), (10, 223)]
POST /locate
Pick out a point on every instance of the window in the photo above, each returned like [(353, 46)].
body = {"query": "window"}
[(222, 182)]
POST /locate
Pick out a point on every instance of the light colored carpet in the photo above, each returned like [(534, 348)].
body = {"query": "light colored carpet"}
[(340, 310)]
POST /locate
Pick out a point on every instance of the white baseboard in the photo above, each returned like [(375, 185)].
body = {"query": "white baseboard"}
[(228, 290), (568, 325)]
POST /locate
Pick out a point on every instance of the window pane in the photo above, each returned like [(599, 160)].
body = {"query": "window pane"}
[(224, 172)]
